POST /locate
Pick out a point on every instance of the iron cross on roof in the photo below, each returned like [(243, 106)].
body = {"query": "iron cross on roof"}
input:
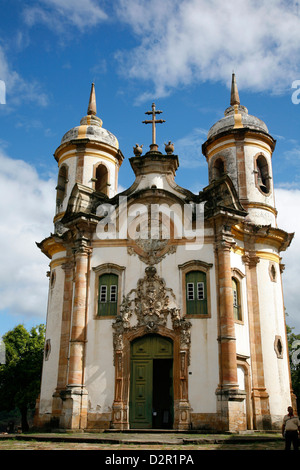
[(153, 121)]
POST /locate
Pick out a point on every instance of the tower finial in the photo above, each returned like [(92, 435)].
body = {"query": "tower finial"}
[(234, 99), (92, 109)]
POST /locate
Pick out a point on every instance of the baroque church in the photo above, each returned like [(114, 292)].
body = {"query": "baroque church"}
[(165, 307)]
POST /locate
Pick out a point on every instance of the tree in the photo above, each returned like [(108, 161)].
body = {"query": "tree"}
[(20, 376), (294, 355)]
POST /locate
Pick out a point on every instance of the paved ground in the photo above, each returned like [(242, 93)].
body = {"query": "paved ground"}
[(158, 442)]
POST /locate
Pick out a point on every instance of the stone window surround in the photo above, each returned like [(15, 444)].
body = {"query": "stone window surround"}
[(195, 265), (268, 177), (108, 268), (239, 276)]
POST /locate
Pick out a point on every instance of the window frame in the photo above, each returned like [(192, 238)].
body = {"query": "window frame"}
[(237, 304), (113, 269), (262, 168), (62, 184), (107, 307), (238, 277), (201, 267), (105, 184)]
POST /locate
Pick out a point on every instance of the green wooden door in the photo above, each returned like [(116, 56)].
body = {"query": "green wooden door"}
[(141, 400), (145, 353)]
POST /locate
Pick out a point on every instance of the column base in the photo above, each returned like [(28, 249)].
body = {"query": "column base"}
[(231, 409), (182, 418), (74, 407), (120, 418)]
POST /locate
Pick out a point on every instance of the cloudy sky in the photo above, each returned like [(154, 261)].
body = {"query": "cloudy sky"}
[(181, 55)]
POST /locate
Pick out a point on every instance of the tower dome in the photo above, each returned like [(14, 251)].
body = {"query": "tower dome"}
[(88, 155), (91, 127), (236, 116), (240, 146)]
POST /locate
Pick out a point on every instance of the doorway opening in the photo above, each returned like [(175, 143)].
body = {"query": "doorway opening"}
[(162, 395), (151, 404)]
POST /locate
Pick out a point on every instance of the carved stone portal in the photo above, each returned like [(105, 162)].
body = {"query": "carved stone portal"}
[(151, 308)]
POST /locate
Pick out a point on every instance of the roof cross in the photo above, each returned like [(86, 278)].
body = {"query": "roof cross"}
[(153, 121)]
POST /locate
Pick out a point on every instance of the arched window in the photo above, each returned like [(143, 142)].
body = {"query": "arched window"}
[(108, 294), (101, 179), (218, 168), (262, 172), (196, 293), (61, 184), (237, 310)]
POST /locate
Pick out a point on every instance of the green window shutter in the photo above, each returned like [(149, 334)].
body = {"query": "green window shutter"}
[(196, 293), (108, 295)]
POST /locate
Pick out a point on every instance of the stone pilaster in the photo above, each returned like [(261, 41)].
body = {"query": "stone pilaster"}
[(260, 397), (64, 338), (74, 396), (230, 400)]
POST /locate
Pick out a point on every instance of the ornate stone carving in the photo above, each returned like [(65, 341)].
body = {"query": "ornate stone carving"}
[(151, 251), (150, 303)]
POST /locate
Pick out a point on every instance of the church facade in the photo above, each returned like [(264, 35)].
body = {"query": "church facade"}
[(165, 307)]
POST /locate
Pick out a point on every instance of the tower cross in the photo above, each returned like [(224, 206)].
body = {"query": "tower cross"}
[(153, 121)]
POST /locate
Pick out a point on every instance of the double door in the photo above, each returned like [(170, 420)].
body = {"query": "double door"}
[(151, 383)]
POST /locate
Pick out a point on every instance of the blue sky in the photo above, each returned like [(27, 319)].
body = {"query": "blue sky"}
[(179, 54)]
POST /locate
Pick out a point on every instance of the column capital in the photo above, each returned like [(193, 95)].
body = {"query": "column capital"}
[(226, 244), (82, 246), (251, 259)]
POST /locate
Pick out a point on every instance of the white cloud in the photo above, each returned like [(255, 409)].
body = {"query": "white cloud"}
[(19, 90), (55, 14), (183, 41), (27, 208), (287, 204)]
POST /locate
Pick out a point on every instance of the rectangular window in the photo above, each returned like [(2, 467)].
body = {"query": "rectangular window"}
[(190, 291), (113, 293), (200, 290), (235, 299), (103, 293)]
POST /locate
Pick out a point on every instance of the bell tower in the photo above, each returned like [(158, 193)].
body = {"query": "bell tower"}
[(240, 146), (88, 155)]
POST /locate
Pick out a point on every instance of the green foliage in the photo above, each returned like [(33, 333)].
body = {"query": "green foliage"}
[(20, 376), (294, 346)]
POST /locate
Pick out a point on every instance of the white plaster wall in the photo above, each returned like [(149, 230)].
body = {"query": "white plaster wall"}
[(272, 324), (100, 372), (53, 330), (204, 368)]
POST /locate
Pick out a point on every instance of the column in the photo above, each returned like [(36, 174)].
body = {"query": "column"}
[(230, 400), (75, 399), (227, 340), (64, 338), (260, 397)]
